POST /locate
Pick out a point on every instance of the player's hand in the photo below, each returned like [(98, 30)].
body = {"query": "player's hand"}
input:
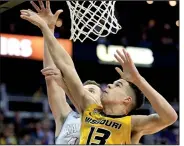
[(130, 72), (46, 14), (32, 17), (52, 73)]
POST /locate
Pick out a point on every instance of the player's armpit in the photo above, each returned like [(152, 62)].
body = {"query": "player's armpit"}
[(148, 124)]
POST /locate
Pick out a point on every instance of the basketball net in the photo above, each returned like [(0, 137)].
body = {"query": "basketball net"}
[(92, 19)]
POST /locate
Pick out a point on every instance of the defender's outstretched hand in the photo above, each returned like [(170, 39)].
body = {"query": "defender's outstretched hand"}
[(130, 72), (53, 73), (46, 14), (32, 17)]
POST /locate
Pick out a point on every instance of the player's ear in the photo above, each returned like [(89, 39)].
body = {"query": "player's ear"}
[(128, 100)]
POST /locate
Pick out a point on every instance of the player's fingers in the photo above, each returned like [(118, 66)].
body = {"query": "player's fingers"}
[(49, 77), (25, 17), (31, 10), (58, 12), (49, 72), (120, 72), (125, 53), (55, 71), (129, 58), (47, 68), (35, 6), (119, 59), (48, 4), (122, 55), (41, 4), (25, 12)]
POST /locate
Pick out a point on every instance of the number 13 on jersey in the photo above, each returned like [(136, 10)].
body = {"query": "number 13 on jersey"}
[(98, 136)]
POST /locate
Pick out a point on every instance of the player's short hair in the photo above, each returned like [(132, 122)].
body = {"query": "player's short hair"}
[(89, 82), (139, 97)]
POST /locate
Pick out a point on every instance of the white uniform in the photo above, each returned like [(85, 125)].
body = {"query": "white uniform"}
[(70, 131)]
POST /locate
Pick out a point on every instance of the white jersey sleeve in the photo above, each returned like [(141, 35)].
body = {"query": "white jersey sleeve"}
[(70, 131)]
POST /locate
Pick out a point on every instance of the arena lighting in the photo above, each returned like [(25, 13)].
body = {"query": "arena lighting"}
[(59, 23), (172, 3), (13, 46), (30, 47), (177, 23), (140, 56), (149, 2)]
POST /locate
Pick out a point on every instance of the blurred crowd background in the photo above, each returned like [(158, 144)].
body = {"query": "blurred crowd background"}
[(25, 116)]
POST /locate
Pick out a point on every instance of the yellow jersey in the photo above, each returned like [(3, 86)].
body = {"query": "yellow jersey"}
[(99, 129)]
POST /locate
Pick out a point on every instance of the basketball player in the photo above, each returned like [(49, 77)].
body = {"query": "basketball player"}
[(109, 124), (67, 121)]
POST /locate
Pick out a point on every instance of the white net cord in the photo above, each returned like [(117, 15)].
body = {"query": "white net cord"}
[(92, 19)]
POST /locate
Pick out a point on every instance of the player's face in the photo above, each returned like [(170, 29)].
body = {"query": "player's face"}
[(95, 90), (117, 93)]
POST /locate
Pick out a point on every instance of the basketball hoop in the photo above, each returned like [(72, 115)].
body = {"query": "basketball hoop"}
[(92, 19)]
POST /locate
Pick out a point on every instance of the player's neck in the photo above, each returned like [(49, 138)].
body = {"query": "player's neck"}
[(114, 110)]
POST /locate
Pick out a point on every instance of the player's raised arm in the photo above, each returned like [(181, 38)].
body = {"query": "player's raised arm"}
[(165, 116), (62, 60), (52, 87), (56, 95)]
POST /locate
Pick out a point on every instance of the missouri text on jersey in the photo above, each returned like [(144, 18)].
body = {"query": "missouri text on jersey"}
[(104, 122)]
